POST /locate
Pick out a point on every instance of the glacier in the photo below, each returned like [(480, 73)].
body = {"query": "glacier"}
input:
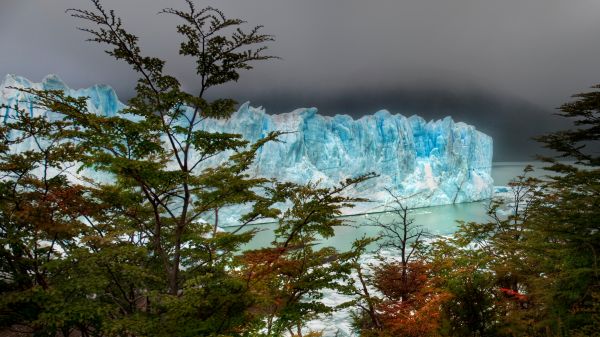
[(426, 163)]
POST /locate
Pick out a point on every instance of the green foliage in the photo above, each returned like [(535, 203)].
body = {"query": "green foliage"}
[(132, 255), (565, 236), (291, 275), (533, 269), (474, 307)]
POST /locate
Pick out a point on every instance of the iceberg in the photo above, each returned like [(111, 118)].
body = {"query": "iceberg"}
[(426, 163)]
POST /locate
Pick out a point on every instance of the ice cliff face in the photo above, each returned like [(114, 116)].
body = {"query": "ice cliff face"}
[(428, 163), (102, 98)]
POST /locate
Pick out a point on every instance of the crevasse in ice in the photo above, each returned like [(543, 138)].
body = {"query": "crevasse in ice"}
[(425, 162)]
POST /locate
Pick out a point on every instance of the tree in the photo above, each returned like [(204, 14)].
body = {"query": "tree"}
[(486, 267), (291, 275), (401, 235), (144, 222), (132, 255), (466, 274), (41, 214), (565, 221), (406, 300), (537, 265), (136, 153)]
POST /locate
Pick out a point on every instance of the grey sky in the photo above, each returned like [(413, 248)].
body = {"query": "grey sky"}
[(500, 65)]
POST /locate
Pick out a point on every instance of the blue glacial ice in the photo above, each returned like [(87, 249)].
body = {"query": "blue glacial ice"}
[(427, 163)]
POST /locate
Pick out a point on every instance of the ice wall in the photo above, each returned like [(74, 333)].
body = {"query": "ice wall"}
[(428, 163)]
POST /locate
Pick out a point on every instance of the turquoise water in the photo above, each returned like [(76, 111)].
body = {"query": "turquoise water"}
[(438, 220)]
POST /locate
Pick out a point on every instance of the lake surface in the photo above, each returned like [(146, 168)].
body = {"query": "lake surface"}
[(437, 220)]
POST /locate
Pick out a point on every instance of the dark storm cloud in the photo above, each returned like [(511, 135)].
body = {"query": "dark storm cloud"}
[(500, 65)]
